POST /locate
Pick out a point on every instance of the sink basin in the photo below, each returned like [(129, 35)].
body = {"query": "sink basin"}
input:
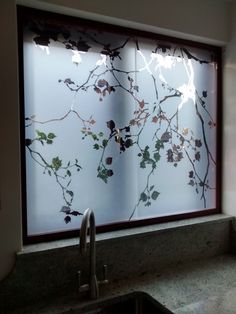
[(132, 303)]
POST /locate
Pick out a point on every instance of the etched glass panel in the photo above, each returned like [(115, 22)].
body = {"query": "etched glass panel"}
[(123, 125)]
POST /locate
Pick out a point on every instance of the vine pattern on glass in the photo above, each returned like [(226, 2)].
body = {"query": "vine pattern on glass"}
[(173, 144)]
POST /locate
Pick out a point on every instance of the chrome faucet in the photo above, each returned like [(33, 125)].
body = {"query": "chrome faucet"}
[(88, 221)]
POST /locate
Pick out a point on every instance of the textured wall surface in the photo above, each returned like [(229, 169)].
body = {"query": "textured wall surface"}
[(46, 273)]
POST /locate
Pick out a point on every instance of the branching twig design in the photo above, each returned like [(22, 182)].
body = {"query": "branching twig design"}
[(167, 140)]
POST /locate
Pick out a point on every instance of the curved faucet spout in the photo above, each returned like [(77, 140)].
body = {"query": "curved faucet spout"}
[(88, 223)]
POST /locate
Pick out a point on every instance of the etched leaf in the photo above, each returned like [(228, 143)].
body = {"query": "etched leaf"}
[(128, 143), (197, 156), (204, 93), (96, 146), (102, 83), (141, 104), (65, 209), (191, 173), (104, 143), (41, 135), (170, 155), (198, 143), (28, 141), (185, 131), (157, 156), (155, 195), (67, 219), (159, 144), (166, 136), (110, 173), (94, 136), (143, 197), (51, 136), (42, 40), (56, 163), (97, 90), (191, 182), (142, 164), (75, 213), (155, 119), (151, 188), (109, 160), (111, 125), (68, 81), (71, 193), (146, 154), (82, 46)]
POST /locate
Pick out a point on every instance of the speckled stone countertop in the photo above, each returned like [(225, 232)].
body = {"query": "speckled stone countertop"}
[(202, 287)]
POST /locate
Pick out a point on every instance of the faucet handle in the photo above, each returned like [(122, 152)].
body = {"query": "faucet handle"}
[(79, 279), (105, 280), (82, 288)]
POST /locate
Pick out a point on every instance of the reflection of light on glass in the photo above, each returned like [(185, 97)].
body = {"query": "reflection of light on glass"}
[(102, 61), (163, 61), (147, 64), (44, 48), (76, 58), (187, 90)]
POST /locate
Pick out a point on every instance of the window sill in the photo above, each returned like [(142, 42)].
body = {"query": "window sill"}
[(129, 233)]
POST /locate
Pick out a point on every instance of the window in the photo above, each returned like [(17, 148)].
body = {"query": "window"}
[(121, 121)]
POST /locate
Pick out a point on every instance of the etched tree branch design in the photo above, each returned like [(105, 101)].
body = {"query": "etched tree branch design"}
[(105, 78)]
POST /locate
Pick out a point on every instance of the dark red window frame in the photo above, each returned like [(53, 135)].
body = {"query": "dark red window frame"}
[(24, 13)]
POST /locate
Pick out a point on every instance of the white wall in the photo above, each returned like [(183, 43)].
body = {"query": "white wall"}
[(229, 108), (207, 20)]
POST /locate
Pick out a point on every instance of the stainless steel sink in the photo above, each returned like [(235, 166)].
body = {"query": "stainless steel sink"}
[(132, 303)]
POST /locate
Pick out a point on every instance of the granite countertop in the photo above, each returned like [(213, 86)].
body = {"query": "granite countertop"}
[(202, 287)]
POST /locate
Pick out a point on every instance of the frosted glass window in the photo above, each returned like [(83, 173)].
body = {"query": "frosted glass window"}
[(122, 124)]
